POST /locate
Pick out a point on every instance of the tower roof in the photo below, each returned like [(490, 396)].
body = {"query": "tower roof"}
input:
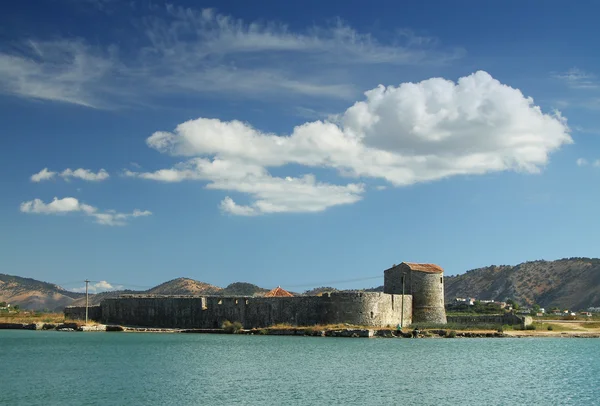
[(428, 268), (278, 292)]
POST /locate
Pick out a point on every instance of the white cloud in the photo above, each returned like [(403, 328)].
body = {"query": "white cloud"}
[(578, 79), (100, 286), (42, 175), (72, 205), (596, 163), (412, 133), (67, 71), (67, 174), (85, 174), (187, 51), (582, 162)]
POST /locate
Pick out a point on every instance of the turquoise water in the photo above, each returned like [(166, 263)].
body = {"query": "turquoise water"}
[(60, 368)]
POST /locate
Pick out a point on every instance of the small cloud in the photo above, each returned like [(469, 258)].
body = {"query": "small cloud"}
[(42, 175), (85, 174), (576, 78), (135, 165), (582, 162), (72, 205), (97, 287), (80, 173), (596, 163), (381, 187)]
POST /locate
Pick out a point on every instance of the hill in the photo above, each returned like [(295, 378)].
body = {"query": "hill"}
[(184, 286), (33, 294), (570, 283), (319, 291), (243, 289)]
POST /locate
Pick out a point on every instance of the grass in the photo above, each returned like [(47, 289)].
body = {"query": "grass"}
[(25, 317), (552, 327), (592, 324)]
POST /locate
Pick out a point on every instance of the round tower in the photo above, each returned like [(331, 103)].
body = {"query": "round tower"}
[(427, 288)]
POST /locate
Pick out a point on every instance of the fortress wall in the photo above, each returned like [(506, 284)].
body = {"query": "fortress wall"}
[(78, 313), (428, 293), (369, 309)]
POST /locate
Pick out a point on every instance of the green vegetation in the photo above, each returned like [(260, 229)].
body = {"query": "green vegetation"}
[(232, 328), (477, 308)]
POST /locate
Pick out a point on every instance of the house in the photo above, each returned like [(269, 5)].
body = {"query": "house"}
[(586, 314)]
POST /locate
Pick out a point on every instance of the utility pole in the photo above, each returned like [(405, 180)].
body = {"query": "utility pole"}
[(86, 301), (402, 305)]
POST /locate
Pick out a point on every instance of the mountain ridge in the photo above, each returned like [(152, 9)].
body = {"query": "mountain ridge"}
[(572, 283)]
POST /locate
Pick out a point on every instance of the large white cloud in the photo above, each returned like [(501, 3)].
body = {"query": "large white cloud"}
[(73, 205), (412, 133)]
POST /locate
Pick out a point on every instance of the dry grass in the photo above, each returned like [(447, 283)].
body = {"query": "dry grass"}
[(23, 317)]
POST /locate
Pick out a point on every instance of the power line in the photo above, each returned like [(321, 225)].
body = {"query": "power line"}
[(334, 282)]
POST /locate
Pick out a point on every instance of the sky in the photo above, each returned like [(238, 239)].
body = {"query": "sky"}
[(297, 144)]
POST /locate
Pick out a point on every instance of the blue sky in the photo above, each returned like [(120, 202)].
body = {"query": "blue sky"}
[(294, 144)]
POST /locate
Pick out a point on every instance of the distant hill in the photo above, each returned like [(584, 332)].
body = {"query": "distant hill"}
[(320, 290), (33, 294), (571, 283), (184, 286), (243, 289)]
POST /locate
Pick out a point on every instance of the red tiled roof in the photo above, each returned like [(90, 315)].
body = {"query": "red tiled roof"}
[(278, 292), (429, 268)]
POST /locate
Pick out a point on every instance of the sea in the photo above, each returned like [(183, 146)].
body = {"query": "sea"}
[(71, 368)]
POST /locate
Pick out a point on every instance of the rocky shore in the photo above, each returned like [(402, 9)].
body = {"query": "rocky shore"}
[(304, 331)]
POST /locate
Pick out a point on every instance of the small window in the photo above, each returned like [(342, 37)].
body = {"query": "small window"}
[(246, 301), (442, 280), (236, 301), (220, 302), (371, 314)]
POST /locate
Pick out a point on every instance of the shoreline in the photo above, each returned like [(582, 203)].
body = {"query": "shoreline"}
[(307, 331)]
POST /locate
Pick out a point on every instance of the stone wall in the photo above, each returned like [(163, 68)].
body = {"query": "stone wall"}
[(505, 319), (78, 313), (428, 297), (360, 308)]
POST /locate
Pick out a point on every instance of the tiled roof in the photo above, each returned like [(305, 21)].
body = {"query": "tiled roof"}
[(429, 268), (278, 292)]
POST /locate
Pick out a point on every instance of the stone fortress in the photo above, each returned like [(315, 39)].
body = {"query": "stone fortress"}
[(413, 293)]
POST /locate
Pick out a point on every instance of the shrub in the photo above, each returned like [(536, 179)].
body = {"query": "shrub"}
[(530, 327), (232, 328), (451, 334), (550, 328)]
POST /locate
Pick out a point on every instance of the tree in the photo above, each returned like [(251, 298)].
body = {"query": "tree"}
[(2, 304), (513, 303)]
